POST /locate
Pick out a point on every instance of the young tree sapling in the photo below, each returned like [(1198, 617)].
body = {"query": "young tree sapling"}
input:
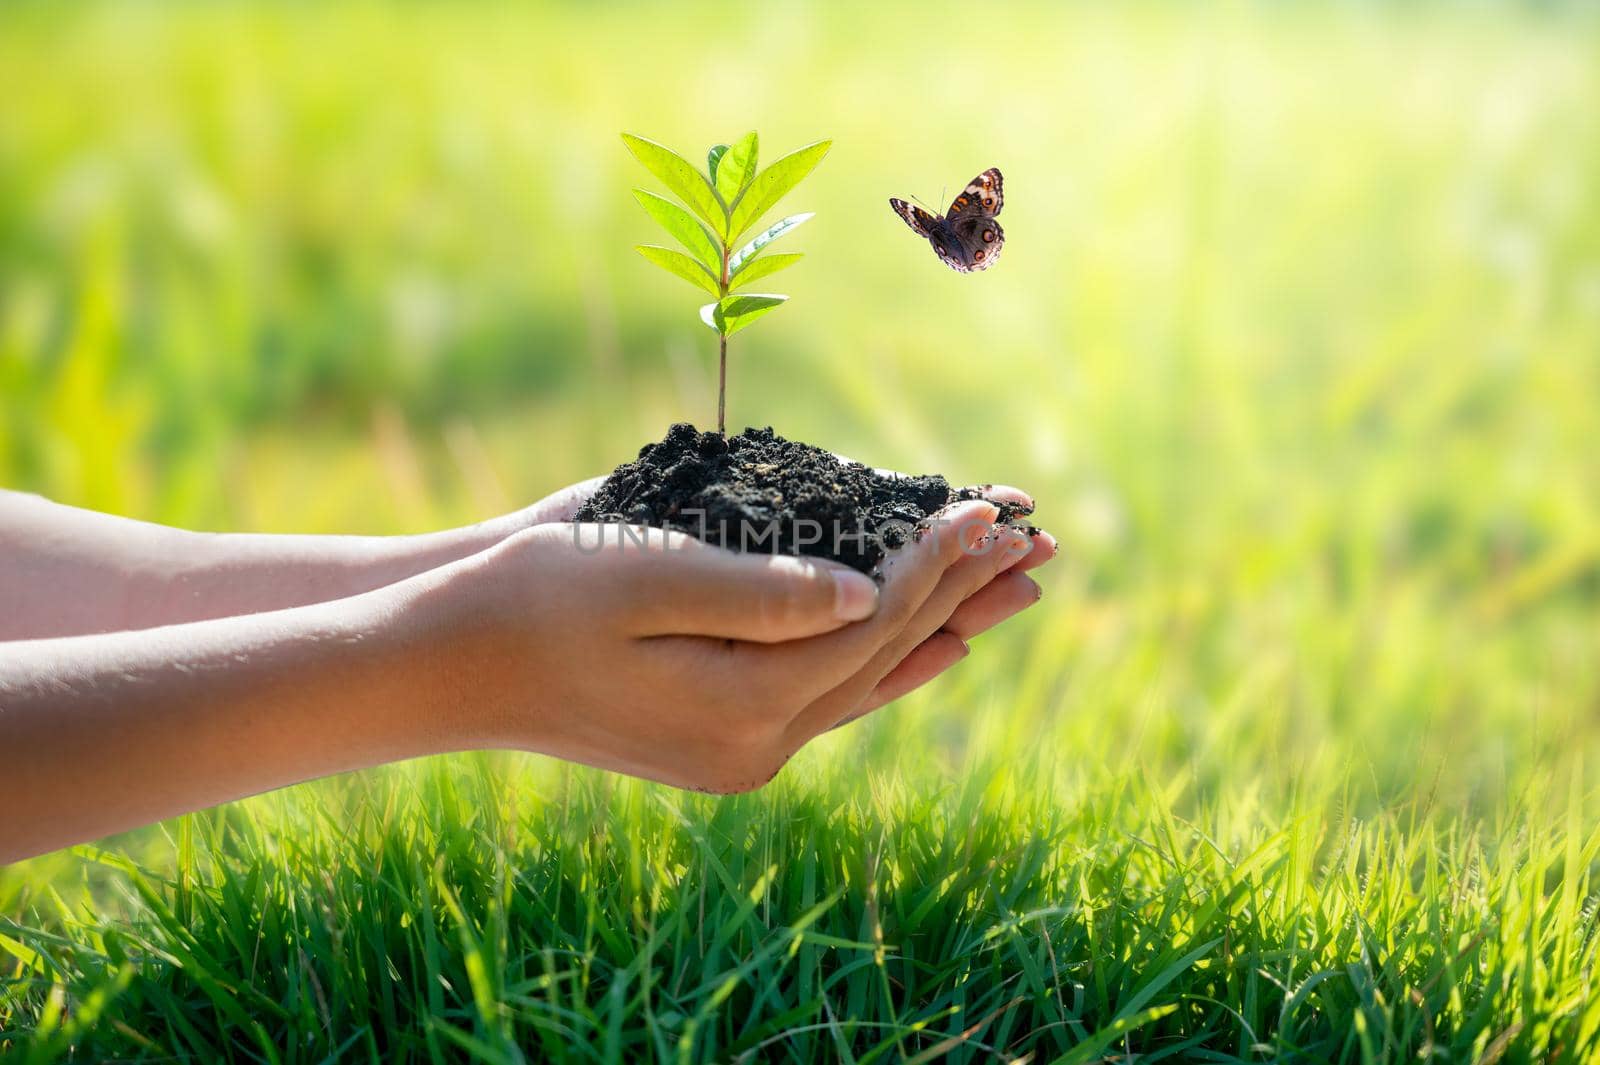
[(727, 200)]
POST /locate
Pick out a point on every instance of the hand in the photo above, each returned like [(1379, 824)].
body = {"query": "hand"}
[(1009, 593), (669, 659)]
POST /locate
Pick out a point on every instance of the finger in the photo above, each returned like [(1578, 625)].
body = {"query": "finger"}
[(965, 579), (1007, 595), (1045, 548), (1005, 493), (680, 586), (1004, 597), (930, 658), (959, 581), (1021, 501), (914, 572), (962, 581), (1000, 493), (910, 574)]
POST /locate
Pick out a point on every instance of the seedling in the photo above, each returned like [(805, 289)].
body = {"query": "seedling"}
[(727, 200)]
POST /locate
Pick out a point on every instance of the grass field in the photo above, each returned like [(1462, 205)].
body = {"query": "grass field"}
[(1296, 341)]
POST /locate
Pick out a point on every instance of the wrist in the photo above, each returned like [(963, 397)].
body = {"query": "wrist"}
[(452, 630)]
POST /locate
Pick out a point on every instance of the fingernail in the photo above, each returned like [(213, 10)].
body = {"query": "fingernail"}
[(1024, 508), (984, 491), (977, 524), (855, 596)]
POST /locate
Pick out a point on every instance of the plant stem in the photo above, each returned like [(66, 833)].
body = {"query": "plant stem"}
[(722, 351), (722, 383)]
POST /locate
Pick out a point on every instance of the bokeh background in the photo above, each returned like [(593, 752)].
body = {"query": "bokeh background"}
[(1296, 340)]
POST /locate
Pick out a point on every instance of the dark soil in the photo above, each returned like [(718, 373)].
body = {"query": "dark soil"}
[(759, 492)]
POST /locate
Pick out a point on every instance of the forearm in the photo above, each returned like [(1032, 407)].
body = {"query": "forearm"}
[(66, 571), (244, 573), (107, 732)]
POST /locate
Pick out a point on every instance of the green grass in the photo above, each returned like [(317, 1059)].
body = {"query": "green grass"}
[(1008, 906), (1296, 340)]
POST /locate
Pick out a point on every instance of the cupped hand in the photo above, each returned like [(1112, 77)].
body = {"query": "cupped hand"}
[(650, 653), (1008, 593)]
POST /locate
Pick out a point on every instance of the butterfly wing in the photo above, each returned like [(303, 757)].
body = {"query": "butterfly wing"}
[(976, 241), (921, 222), (983, 196), (975, 237)]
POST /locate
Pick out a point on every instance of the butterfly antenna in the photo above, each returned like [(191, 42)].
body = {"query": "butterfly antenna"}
[(930, 209)]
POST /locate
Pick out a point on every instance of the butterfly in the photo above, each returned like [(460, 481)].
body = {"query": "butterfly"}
[(967, 238)]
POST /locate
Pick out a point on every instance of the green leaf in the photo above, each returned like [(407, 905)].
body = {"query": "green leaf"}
[(683, 227), (675, 262), (736, 168), (777, 229), (713, 157), (1132, 1015), (772, 184), (1090, 1049), (765, 267), (682, 179), (732, 313)]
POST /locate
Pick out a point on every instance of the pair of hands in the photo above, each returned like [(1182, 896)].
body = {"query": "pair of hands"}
[(148, 671), (662, 657)]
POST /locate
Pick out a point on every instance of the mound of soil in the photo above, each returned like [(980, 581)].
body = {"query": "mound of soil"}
[(759, 492)]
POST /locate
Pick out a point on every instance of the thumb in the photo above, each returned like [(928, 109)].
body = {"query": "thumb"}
[(695, 589)]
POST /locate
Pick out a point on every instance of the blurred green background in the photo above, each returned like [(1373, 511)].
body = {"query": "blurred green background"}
[(1297, 328), (1296, 339)]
